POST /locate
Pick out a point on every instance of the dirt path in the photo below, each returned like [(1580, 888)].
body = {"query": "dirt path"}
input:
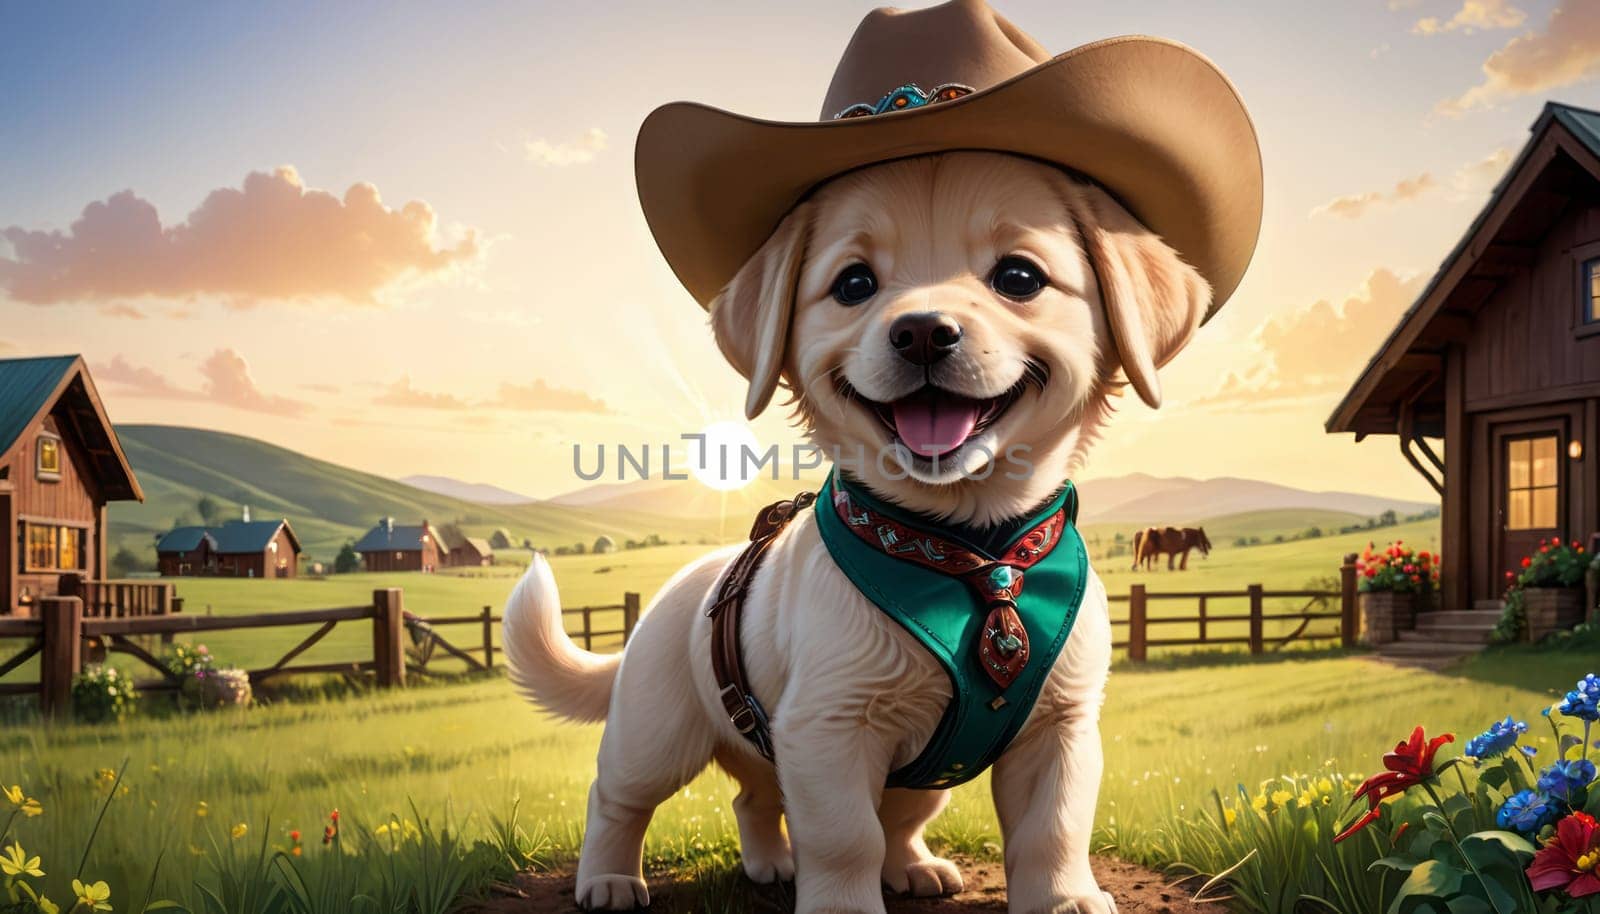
[(1136, 889)]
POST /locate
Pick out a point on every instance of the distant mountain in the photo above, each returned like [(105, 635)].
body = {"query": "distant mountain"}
[(327, 503), (479, 493), (1179, 500), (1137, 498)]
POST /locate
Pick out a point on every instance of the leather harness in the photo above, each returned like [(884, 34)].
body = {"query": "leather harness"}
[(727, 660)]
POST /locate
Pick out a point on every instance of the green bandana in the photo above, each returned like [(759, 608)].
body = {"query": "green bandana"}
[(960, 592)]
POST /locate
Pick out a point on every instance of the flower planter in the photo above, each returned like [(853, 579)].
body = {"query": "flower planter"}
[(1386, 613), (1551, 609)]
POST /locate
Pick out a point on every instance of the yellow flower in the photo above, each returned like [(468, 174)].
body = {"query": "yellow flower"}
[(95, 897), (201, 810), (1259, 802), (46, 906), (1229, 816), (1281, 798), (16, 862), (240, 830), (1324, 785), (27, 805)]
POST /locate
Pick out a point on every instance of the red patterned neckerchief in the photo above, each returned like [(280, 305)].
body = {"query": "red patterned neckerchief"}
[(996, 582)]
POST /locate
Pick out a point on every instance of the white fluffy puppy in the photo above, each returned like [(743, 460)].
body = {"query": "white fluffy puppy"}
[(1045, 297)]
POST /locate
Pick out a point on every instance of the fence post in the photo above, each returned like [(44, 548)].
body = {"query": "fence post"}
[(1202, 618), (1349, 620), (588, 629), (388, 634), (1136, 623), (630, 615), (488, 638), (1257, 641), (61, 652)]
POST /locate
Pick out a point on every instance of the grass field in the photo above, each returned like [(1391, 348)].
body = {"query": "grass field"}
[(471, 752)]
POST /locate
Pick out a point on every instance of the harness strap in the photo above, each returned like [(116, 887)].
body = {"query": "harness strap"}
[(727, 661)]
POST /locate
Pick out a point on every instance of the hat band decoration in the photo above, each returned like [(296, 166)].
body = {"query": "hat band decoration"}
[(906, 97)]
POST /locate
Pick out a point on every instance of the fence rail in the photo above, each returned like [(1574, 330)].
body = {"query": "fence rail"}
[(61, 631)]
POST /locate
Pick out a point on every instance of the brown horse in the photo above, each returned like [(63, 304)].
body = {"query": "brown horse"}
[(1150, 543)]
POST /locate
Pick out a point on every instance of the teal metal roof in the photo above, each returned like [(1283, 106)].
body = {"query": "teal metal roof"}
[(1581, 122), (25, 389), (389, 536), (232, 538), (183, 539)]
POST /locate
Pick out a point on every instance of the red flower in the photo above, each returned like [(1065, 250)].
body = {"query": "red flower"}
[(1371, 572), (1408, 765), (294, 835), (1526, 561), (1570, 860)]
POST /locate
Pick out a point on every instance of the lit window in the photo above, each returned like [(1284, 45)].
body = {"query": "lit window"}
[(1591, 291), (1532, 484), (53, 548), (49, 459)]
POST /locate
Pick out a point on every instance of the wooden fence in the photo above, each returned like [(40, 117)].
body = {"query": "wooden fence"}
[(1319, 606), (61, 630)]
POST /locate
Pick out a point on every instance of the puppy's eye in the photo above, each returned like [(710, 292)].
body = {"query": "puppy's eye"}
[(856, 284), (1018, 278)]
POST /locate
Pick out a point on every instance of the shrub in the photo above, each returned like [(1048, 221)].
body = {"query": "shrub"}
[(210, 689), (102, 693), (1398, 569), (1554, 564)]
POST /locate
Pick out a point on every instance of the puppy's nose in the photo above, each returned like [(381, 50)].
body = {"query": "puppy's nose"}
[(924, 337)]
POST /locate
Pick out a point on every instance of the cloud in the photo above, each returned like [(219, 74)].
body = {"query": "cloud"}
[(536, 396), (402, 394), (1316, 351), (1464, 181), (581, 151), (1565, 51), (329, 389), (539, 396), (122, 309), (1474, 16), (272, 239), (227, 382)]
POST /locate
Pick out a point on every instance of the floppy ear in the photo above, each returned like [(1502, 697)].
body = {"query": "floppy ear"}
[(751, 316), (1154, 301)]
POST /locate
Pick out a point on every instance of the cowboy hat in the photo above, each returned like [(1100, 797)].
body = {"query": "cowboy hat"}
[(1150, 120)]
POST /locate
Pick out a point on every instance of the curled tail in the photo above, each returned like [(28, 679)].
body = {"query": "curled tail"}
[(544, 664)]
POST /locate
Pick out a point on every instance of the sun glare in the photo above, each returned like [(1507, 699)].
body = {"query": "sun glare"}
[(719, 460)]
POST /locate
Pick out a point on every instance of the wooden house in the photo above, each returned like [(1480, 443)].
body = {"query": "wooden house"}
[(392, 547), (1499, 358), (470, 552), (236, 549), (60, 464)]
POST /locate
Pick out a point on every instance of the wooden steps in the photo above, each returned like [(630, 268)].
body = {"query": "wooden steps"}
[(1443, 637)]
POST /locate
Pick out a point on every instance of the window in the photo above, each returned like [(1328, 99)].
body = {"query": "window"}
[(1590, 278), (48, 461), (1532, 486), (48, 547)]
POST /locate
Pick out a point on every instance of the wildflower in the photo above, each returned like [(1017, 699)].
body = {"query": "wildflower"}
[(239, 831), (1229, 815), (1583, 702), (1569, 861), (1526, 811), (95, 897), (16, 862), (1562, 778), (1281, 798), (201, 810), (27, 805), (1497, 740), (1410, 764), (46, 906)]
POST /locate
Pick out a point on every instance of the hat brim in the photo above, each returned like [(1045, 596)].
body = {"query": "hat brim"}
[(1151, 120)]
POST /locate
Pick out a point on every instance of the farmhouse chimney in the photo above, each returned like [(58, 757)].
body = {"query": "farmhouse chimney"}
[(388, 524), (247, 514)]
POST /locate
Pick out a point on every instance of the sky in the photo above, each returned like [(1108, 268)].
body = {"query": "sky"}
[(405, 237)]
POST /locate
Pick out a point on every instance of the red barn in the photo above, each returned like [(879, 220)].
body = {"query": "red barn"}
[(60, 464), (390, 547), (236, 549)]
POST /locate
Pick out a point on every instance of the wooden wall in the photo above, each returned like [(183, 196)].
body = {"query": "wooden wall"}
[(1529, 361), (73, 500), (405, 560)]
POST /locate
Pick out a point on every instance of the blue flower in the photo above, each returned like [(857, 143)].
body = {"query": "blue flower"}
[(1584, 701), (1497, 740), (1561, 779), (1526, 812)]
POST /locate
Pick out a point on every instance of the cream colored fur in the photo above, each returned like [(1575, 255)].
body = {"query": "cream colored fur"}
[(851, 695)]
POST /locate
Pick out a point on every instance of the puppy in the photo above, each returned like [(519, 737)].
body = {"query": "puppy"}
[(1051, 297)]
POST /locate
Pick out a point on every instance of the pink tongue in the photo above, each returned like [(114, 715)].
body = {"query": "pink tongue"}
[(934, 424)]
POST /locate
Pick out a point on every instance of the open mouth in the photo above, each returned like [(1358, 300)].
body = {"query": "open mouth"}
[(932, 422)]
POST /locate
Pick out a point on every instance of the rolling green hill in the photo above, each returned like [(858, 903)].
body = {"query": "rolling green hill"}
[(327, 504)]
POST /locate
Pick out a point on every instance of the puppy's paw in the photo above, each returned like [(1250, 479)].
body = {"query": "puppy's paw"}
[(769, 866), (928, 877), (613, 893)]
